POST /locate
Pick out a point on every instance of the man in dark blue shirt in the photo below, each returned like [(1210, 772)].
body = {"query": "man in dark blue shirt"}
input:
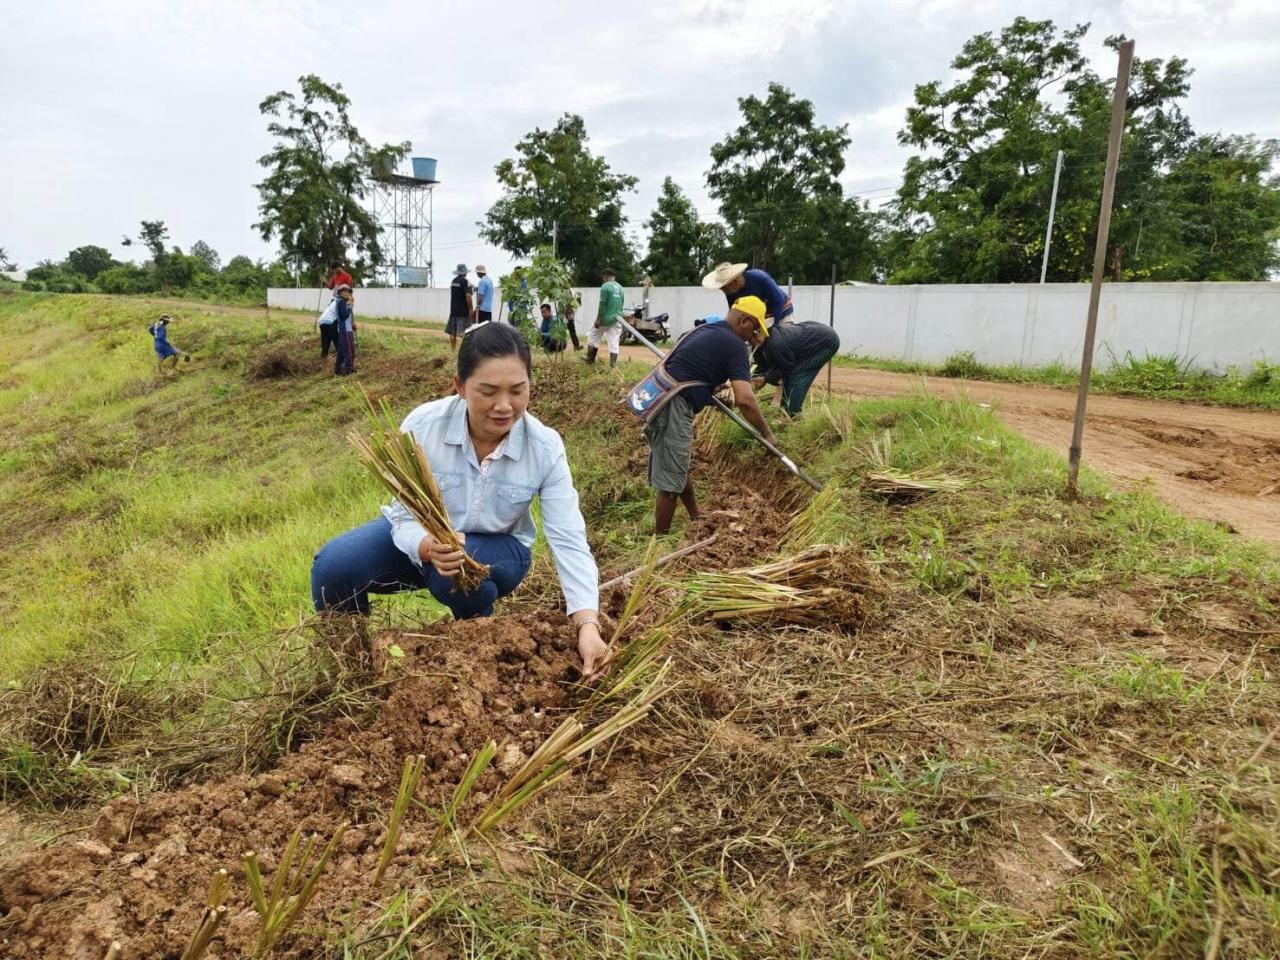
[(709, 355), (734, 280)]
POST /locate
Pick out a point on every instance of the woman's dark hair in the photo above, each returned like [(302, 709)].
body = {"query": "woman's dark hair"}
[(488, 341)]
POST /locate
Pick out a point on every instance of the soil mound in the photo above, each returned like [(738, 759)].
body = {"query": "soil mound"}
[(139, 872)]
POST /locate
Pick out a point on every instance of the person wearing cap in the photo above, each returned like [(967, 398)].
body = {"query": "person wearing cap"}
[(791, 356), (607, 326), (734, 280), (345, 361), (483, 311), (165, 351), (460, 305), (707, 356)]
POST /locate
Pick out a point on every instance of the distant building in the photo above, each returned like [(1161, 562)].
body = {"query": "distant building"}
[(17, 276)]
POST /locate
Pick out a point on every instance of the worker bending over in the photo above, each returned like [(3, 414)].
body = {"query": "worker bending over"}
[(681, 385), (790, 358), (734, 280)]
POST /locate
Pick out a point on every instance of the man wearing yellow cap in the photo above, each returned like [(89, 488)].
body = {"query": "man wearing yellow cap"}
[(703, 359)]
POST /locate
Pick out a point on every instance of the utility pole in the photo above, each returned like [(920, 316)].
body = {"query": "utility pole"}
[(1048, 231), (555, 238), (1099, 260), (831, 362)]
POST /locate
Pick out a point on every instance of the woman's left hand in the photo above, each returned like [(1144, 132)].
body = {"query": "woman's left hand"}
[(594, 651)]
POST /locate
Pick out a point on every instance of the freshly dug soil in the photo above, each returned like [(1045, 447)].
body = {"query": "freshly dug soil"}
[(138, 874)]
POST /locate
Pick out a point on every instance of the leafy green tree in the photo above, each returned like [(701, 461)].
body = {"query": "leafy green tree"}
[(208, 257), (551, 282), (775, 176), (126, 278), (153, 236), (973, 203), (317, 177), (5, 262), (675, 239), (514, 290), (177, 270), (89, 261), (555, 184)]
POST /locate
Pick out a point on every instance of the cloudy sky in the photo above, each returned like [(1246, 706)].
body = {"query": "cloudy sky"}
[(114, 112)]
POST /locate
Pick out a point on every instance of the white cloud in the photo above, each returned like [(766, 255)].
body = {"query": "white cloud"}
[(119, 111)]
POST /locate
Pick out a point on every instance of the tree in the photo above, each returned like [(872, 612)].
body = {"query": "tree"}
[(177, 270), (5, 262), (208, 257), (318, 175), (776, 173), (89, 261), (153, 236), (550, 282), (555, 184), (973, 203), (675, 239)]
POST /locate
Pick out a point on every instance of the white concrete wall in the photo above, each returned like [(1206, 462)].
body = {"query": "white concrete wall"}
[(1211, 325)]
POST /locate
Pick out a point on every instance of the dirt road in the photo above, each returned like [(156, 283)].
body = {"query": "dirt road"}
[(1215, 463)]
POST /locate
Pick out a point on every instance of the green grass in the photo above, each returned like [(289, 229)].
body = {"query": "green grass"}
[(1166, 377), (1032, 667)]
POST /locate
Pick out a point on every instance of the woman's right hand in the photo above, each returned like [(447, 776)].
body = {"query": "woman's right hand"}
[(446, 560)]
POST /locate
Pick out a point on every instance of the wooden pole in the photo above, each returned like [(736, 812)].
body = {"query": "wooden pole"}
[(831, 362), (1099, 261), (1048, 230)]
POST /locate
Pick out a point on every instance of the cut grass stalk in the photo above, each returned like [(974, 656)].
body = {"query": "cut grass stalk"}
[(214, 913), (115, 951), (397, 462), (478, 765), (409, 779), (292, 887), (804, 526), (550, 762)]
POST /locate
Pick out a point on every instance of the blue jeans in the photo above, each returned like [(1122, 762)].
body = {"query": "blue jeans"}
[(365, 560), (796, 384)]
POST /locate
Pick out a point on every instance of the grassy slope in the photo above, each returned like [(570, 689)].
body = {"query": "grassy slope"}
[(996, 589), (161, 515)]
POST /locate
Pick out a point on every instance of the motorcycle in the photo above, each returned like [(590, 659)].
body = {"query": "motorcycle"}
[(654, 328)]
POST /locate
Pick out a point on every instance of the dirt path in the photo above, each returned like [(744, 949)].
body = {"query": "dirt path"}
[(1215, 463)]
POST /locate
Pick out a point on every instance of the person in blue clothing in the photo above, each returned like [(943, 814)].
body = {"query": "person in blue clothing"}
[(345, 361), (165, 351), (490, 459), (483, 311), (735, 280), (549, 343), (790, 358)]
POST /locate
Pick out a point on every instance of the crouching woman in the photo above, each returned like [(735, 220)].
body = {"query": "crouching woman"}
[(490, 458)]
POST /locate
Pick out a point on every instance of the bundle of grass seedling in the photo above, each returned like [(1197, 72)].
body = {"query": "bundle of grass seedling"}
[(292, 887), (804, 589), (399, 464), (886, 481), (210, 919)]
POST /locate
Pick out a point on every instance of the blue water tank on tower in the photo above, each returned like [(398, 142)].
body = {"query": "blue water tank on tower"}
[(424, 168)]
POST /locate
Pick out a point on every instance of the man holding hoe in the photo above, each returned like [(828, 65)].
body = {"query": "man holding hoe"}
[(681, 385)]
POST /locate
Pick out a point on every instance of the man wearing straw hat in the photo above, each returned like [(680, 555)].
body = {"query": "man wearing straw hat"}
[(704, 358), (459, 305), (734, 280)]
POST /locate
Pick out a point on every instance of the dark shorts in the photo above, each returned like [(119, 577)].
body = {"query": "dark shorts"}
[(484, 316), (670, 436), (457, 326)]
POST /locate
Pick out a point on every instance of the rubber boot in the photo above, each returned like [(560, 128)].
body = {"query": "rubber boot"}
[(591, 354), (613, 359)]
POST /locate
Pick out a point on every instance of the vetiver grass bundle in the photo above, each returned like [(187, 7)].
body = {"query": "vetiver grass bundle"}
[(809, 588), (887, 481), (398, 463)]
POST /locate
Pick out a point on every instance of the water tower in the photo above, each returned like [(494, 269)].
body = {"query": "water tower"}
[(402, 206)]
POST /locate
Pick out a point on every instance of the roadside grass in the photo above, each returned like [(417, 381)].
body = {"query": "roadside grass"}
[(1167, 377)]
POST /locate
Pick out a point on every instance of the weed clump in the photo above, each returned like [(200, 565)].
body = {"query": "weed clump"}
[(276, 364)]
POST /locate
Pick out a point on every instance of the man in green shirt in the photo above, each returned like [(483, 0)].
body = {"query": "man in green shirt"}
[(607, 317)]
